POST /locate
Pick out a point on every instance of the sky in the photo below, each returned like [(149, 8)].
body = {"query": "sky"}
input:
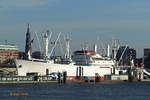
[(88, 21)]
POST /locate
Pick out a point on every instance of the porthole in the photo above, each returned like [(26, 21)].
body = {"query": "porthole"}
[(20, 66)]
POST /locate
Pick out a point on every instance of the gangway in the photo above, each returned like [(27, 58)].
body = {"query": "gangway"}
[(147, 72)]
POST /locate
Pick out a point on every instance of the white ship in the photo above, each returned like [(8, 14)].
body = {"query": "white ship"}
[(84, 63), (86, 68)]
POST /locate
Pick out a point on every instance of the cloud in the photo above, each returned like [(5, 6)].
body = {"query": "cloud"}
[(25, 3)]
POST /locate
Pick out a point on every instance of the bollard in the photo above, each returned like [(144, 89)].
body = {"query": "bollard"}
[(130, 77), (35, 78), (59, 78), (96, 77), (64, 77)]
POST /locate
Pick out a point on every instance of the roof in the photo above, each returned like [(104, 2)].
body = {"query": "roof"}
[(8, 47)]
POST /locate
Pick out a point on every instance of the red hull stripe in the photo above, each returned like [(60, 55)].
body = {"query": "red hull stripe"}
[(87, 77)]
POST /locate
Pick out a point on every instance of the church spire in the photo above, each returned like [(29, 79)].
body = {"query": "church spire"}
[(28, 44), (28, 28)]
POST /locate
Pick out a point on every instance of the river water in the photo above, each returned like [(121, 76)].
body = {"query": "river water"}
[(76, 91)]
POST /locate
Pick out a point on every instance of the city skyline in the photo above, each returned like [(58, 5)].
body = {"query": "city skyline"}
[(126, 20)]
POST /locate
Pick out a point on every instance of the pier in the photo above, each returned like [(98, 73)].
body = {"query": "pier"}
[(26, 79)]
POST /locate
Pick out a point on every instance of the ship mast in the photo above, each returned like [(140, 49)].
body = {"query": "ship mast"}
[(67, 54), (95, 48), (46, 43), (55, 43), (108, 50), (115, 47)]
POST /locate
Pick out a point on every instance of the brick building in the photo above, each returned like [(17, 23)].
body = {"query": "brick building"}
[(8, 52)]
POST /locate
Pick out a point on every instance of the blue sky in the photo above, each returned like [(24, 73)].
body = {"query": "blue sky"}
[(126, 20)]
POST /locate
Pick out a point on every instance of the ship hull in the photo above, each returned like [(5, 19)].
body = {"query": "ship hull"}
[(73, 71)]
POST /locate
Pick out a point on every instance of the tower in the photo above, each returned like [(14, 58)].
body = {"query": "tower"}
[(28, 44)]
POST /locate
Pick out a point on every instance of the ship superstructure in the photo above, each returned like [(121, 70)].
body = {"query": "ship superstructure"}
[(90, 58)]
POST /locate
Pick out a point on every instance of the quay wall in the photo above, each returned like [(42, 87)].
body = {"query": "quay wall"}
[(25, 78)]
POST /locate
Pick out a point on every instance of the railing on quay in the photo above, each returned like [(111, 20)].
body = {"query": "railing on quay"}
[(26, 78)]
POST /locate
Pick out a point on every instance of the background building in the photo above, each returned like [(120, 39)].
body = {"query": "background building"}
[(147, 57), (146, 52), (145, 60), (8, 52)]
